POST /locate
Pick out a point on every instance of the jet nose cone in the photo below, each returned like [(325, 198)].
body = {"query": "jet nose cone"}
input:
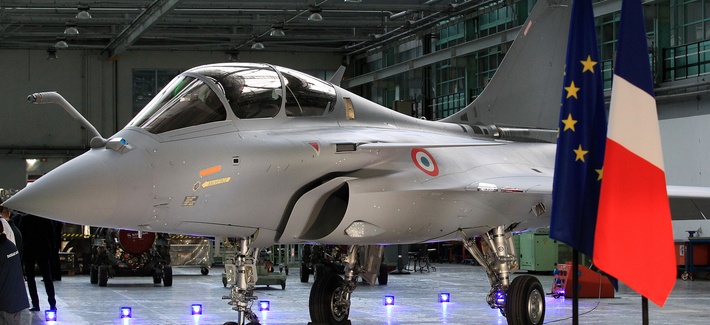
[(80, 191)]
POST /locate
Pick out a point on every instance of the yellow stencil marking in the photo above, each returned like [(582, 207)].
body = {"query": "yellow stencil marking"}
[(189, 201), (210, 171), (216, 182)]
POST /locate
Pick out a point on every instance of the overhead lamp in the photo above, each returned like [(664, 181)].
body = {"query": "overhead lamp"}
[(51, 53), (277, 32), (71, 29), (354, 1), (61, 44), (83, 12), (315, 14), (233, 55), (257, 46)]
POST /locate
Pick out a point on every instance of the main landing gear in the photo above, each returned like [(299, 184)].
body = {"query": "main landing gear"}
[(242, 276), (521, 301)]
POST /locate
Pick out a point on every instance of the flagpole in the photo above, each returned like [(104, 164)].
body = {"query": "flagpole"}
[(575, 285), (644, 310)]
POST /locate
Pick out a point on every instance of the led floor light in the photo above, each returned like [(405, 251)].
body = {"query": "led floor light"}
[(264, 305), (444, 297), (389, 300), (50, 315), (126, 312), (196, 309)]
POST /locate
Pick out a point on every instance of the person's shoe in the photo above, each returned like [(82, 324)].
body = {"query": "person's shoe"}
[(34, 309)]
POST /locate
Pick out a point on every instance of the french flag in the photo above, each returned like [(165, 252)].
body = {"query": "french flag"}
[(634, 239)]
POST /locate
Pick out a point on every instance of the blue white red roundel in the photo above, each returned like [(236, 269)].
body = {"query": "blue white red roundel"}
[(424, 160)]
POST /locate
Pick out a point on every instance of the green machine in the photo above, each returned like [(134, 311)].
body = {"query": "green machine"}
[(536, 251)]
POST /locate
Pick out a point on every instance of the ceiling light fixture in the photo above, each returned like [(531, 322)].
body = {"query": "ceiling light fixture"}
[(61, 43), (233, 55), (277, 31), (257, 46), (51, 53), (83, 12), (315, 14), (71, 29)]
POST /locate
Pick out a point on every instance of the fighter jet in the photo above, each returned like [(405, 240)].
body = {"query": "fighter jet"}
[(267, 154)]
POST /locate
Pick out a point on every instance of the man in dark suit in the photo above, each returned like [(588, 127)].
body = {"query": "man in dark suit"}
[(38, 234)]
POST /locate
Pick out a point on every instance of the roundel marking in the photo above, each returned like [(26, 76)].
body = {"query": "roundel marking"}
[(424, 161)]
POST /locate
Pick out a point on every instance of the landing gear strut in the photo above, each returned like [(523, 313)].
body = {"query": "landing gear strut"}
[(522, 301), (242, 276)]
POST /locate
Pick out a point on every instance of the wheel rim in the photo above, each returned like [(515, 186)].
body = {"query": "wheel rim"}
[(535, 306), (337, 307)]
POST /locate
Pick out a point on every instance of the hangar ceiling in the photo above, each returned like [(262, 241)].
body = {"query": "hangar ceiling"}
[(348, 26)]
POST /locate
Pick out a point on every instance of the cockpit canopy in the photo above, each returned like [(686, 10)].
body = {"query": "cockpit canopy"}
[(250, 91)]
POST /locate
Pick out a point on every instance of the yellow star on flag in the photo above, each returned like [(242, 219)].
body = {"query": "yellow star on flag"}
[(601, 173), (571, 90), (569, 123), (588, 64), (580, 153)]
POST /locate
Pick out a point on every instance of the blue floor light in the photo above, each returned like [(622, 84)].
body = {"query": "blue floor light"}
[(444, 297), (389, 300), (126, 312), (264, 305), (50, 315), (196, 309)]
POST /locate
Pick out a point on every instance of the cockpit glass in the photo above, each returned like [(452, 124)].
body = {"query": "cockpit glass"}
[(185, 101), (252, 92), (307, 95)]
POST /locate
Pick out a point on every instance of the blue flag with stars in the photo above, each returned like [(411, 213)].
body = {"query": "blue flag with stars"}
[(581, 137)]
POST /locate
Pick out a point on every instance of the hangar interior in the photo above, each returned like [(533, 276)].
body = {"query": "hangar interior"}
[(424, 58)]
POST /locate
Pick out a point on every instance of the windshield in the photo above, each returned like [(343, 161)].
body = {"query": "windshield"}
[(185, 101), (307, 95), (250, 91)]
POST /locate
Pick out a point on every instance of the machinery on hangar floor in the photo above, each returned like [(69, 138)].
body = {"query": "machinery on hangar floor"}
[(120, 252)]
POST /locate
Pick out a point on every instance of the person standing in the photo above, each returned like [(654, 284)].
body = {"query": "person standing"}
[(13, 299), (55, 263), (5, 212), (37, 233)]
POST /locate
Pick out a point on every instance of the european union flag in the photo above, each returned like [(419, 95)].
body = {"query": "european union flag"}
[(581, 137)]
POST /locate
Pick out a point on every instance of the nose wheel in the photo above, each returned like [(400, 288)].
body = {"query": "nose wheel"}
[(525, 303), (328, 303)]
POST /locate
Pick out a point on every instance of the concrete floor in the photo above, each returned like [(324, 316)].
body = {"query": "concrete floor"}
[(416, 294)]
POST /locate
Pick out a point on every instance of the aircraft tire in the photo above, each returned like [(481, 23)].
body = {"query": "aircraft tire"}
[(103, 275), (93, 274), (319, 271), (304, 273), (204, 270), (384, 275), (167, 276), (320, 303), (525, 303), (156, 279)]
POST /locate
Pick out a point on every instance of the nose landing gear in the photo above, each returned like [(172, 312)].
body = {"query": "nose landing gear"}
[(242, 276), (521, 301)]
